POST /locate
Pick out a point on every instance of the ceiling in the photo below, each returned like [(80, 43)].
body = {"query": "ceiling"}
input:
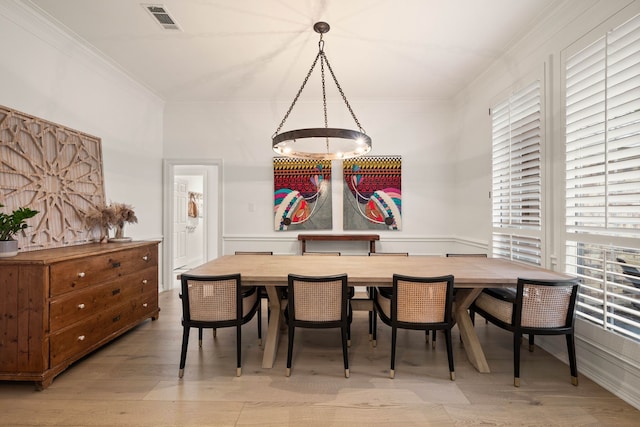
[(257, 50)]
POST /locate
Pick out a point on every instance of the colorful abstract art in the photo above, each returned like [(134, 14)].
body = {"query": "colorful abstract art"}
[(302, 194), (372, 196)]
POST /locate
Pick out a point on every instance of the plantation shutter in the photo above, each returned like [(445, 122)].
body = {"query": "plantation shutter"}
[(602, 111), (603, 135), (516, 176)]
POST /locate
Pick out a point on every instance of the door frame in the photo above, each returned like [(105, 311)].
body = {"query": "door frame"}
[(213, 212)]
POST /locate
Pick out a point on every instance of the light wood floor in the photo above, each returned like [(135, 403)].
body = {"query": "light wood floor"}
[(134, 382)]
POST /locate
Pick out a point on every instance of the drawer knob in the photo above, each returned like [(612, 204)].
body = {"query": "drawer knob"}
[(81, 338), (145, 281), (80, 306), (145, 258), (145, 305), (81, 274)]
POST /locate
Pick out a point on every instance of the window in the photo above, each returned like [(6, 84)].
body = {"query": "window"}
[(603, 177), (610, 285), (516, 180)]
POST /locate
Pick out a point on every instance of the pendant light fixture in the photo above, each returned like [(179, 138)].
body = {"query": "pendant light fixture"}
[(321, 143)]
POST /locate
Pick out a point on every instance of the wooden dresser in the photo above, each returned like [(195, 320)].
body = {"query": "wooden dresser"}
[(58, 305)]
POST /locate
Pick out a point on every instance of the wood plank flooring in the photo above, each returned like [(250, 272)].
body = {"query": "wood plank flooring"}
[(134, 382)]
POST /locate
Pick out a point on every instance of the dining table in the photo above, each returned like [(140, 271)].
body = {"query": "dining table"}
[(471, 275)]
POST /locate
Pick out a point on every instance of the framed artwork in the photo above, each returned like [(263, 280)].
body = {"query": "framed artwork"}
[(372, 196), (302, 194), (54, 170)]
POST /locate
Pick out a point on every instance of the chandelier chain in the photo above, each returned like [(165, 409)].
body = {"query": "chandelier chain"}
[(324, 90), (344, 98), (306, 79), (324, 94)]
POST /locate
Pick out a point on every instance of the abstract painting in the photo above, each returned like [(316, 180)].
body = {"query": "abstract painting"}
[(372, 196), (302, 194)]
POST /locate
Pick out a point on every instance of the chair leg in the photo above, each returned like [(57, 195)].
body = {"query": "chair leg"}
[(199, 337), (183, 352), (433, 338), (573, 366), (348, 324), (516, 359), (259, 313), (374, 327), (370, 295), (238, 350), (531, 341), (344, 330), (394, 334), (290, 347), (447, 338)]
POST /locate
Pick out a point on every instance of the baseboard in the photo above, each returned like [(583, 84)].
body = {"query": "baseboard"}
[(610, 360)]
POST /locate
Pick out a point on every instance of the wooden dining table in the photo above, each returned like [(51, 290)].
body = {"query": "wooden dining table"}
[(471, 275)]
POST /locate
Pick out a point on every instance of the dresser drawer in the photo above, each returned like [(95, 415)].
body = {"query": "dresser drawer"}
[(77, 339), (73, 342), (146, 304), (73, 307), (77, 274)]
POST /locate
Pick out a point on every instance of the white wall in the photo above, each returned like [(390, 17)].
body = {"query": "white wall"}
[(47, 74), (240, 134), (603, 356)]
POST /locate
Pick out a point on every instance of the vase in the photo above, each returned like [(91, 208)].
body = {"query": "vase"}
[(100, 234), (119, 234), (8, 248)]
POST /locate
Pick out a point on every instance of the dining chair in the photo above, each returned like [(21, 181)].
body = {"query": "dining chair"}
[(318, 302), (421, 303), (540, 307), (262, 292), (312, 253), (385, 291), (216, 302)]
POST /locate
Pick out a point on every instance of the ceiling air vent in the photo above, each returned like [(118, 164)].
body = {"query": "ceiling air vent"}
[(161, 16)]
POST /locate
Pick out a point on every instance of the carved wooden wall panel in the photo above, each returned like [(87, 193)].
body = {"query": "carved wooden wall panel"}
[(53, 169)]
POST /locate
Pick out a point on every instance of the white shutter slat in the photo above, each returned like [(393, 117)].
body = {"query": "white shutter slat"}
[(516, 175)]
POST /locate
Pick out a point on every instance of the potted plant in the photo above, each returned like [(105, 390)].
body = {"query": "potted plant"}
[(10, 224), (114, 215)]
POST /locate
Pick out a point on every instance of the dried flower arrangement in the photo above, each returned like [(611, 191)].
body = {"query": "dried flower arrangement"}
[(114, 215)]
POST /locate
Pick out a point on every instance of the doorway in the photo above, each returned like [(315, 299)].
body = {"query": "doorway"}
[(192, 215)]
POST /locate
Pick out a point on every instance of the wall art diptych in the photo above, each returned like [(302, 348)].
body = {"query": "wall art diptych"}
[(302, 194), (372, 195)]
